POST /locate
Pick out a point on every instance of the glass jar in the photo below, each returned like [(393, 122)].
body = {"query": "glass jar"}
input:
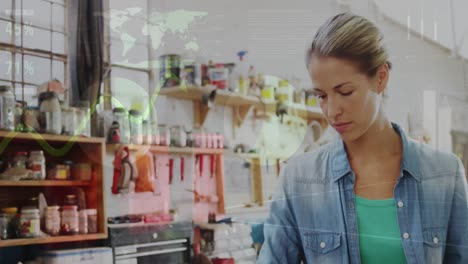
[(121, 117), (189, 136), (155, 133), (164, 135), (136, 127), (37, 164), (51, 112), (30, 118), (52, 220), (178, 136), (83, 119), (30, 222), (68, 165), (4, 222), (14, 221), (19, 110), (7, 108), (69, 220), (83, 221), (70, 200), (92, 220), (20, 160), (68, 121), (147, 135)]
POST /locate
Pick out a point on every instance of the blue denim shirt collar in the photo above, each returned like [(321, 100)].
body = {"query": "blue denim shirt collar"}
[(340, 164)]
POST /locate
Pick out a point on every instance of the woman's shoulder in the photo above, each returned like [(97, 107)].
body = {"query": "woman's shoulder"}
[(310, 167), (431, 162)]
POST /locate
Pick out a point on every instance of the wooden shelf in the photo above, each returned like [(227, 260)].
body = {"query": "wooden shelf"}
[(240, 103), (48, 137), (45, 183), (167, 150), (47, 240)]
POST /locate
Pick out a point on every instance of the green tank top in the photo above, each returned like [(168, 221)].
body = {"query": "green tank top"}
[(379, 234)]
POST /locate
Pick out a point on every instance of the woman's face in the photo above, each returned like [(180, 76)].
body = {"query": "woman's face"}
[(350, 100)]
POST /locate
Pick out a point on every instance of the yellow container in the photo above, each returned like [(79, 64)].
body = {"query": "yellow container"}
[(268, 93), (311, 100)]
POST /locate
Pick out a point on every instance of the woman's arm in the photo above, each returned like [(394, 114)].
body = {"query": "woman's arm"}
[(282, 241), (456, 250)]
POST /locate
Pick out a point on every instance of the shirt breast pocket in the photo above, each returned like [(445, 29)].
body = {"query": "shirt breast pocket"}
[(434, 244), (322, 247)]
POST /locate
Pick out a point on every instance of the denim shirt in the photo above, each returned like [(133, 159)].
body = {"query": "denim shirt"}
[(313, 215)]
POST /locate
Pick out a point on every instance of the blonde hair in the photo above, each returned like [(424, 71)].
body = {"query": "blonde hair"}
[(353, 38)]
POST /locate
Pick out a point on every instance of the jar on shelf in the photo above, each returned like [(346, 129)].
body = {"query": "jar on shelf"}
[(57, 172), (20, 160), (31, 119), (83, 222), (30, 222), (120, 116), (51, 112), (147, 135), (19, 110), (68, 165), (37, 164), (69, 220), (68, 121), (189, 135), (4, 222), (92, 221), (13, 221), (136, 127), (83, 119), (164, 135), (155, 133), (52, 220), (178, 136), (70, 199), (7, 108)]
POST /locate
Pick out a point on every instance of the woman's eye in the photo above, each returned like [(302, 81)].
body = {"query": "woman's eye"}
[(347, 94), (321, 96)]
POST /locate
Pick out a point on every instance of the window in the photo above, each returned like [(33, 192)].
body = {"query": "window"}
[(128, 53), (33, 50)]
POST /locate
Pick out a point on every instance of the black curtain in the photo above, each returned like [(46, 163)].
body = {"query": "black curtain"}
[(86, 48)]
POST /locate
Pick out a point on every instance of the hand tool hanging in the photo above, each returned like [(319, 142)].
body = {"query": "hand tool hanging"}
[(157, 186), (171, 170), (182, 168), (212, 165)]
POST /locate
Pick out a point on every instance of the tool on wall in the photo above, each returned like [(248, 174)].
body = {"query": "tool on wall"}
[(157, 183), (124, 171), (212, 165), (200, 165), (171, 170), (182, 168)]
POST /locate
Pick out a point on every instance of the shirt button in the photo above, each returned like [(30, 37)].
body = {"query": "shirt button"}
[(405, 235), (400, 204), (322, 245), (435, 240)]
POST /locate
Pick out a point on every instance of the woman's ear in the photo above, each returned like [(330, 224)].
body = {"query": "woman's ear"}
[(382, 78)]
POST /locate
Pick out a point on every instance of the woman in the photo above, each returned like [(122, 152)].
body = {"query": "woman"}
[(374, 196)]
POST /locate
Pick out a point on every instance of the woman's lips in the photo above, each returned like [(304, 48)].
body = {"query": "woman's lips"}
[(341, 127)]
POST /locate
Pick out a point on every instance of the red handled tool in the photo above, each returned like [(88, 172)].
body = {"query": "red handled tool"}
[(182, 168), (171, 170), (200, 164), (212, 165)]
